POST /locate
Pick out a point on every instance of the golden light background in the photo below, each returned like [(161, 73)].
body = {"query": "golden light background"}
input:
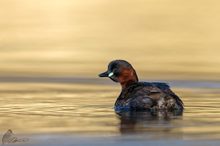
[(163, 39)]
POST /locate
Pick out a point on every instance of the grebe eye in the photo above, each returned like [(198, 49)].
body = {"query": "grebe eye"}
[(116, 73)]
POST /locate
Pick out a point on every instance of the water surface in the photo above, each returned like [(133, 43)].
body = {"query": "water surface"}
[(51, 52), (87, 109)]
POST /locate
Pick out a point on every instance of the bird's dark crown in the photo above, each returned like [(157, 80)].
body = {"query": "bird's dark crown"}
[(120, 71)]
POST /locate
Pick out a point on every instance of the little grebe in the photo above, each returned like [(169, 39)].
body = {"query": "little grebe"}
[(135, 95)]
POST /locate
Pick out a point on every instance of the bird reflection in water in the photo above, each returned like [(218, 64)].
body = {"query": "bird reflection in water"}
[(147, 121)]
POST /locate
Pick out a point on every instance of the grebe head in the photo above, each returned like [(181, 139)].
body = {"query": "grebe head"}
[(120, 71)]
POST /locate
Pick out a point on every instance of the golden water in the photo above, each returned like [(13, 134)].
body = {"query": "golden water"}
[(163, 39), (86, 109)]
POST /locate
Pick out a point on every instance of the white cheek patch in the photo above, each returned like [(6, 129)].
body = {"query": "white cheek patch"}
[(110, 74)]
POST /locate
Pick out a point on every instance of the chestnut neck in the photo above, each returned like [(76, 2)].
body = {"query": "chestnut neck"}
[(127, 78)]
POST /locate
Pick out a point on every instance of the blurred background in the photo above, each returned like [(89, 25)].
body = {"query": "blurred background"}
[(162, 39), (47, 44)]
